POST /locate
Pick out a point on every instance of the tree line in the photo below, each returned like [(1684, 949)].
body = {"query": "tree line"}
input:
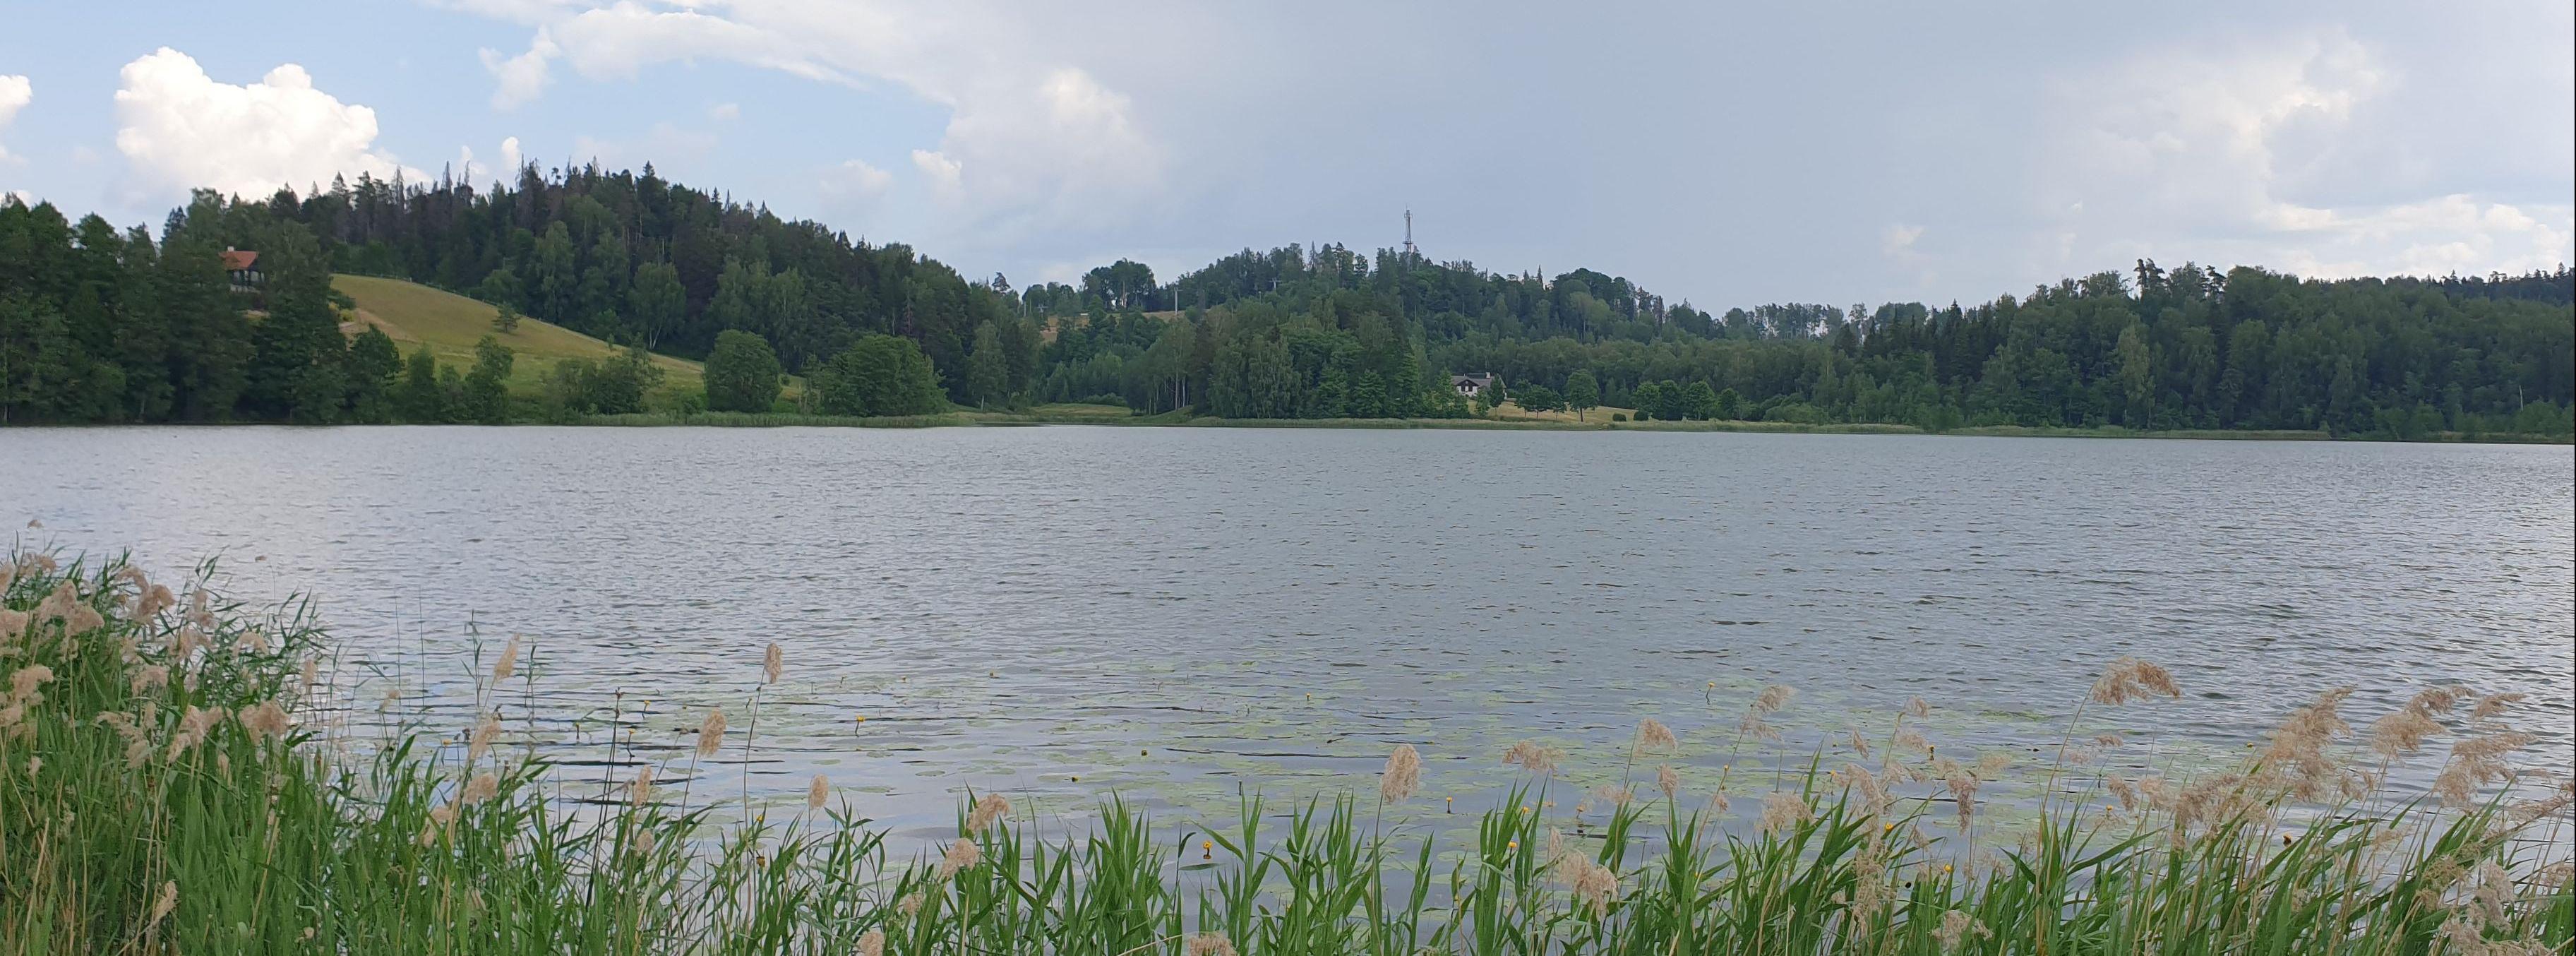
[(101, 324)]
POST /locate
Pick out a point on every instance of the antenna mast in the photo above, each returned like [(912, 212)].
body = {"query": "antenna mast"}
[(1409, 251)]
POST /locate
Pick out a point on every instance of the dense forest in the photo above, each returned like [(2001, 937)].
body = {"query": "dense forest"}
[(99, 324)]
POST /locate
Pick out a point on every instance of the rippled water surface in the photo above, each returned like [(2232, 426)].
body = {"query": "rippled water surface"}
[(1172, 612)]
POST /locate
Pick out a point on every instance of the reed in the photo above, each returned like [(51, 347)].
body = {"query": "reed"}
[(166, 786)]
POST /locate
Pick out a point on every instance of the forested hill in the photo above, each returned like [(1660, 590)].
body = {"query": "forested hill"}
[(102, 325)]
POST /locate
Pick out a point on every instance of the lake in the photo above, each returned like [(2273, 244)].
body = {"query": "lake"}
[(1172, 613)]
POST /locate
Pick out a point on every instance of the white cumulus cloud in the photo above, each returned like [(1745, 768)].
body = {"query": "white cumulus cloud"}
[(181, 129), (946, 175), (2233, 156), (15, 94), (856, 187), (518, 79), (1031, 141)]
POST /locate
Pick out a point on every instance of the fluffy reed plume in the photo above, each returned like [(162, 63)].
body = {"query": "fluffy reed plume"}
[(1529, 755), (2401, 733), (136, 733), (640, 792), (2474, 762), (82, 620), (2461, 935), (1783, 810), (772, 663), (1957, 925), (910, 904), (2121, 788), (1653, 735), (872, 943), (12, 623), (2297, 756), (1773, 698), (153, 600), (264, 721), (711, 733), (481, 740), (194, 725), (1911, 742), (56, 605), (988, 809), (1858, 745), (1917, 709), (2129, 678), (1992, 764), (1591, 884), (2492, 706), (200, 610), (962, 856), (1668, 781), (1875, 799), (2524, 814), (185, 639), (817, 792), (1755, 727), (1963, 792), (2437, 700), (312, 671), (2216, 799), (1210, 944), (161, 906), (2494, 893), (509, 663), (25, 684), (483, 787), (1615, 796), (1402, 776)]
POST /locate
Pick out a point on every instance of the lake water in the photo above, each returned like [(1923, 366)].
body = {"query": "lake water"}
[(1172, 613)]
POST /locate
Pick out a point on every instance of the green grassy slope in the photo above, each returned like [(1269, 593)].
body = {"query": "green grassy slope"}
[(450, 324)]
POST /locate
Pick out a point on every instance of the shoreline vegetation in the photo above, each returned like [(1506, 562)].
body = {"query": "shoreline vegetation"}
[(1087, 416), (1042, 417), (1118, 417), (177, 775), (576, 294)]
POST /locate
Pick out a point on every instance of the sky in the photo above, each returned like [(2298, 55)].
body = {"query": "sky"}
[(1724, 154)]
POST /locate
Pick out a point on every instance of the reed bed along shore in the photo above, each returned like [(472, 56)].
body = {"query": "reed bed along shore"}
[(169, 783)]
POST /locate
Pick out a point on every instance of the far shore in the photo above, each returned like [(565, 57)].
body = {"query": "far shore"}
[(1101, 415), (1118, 417)]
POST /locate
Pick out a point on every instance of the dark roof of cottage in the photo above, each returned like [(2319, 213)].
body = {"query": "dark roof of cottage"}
[(1480, 378), (236, 260)]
